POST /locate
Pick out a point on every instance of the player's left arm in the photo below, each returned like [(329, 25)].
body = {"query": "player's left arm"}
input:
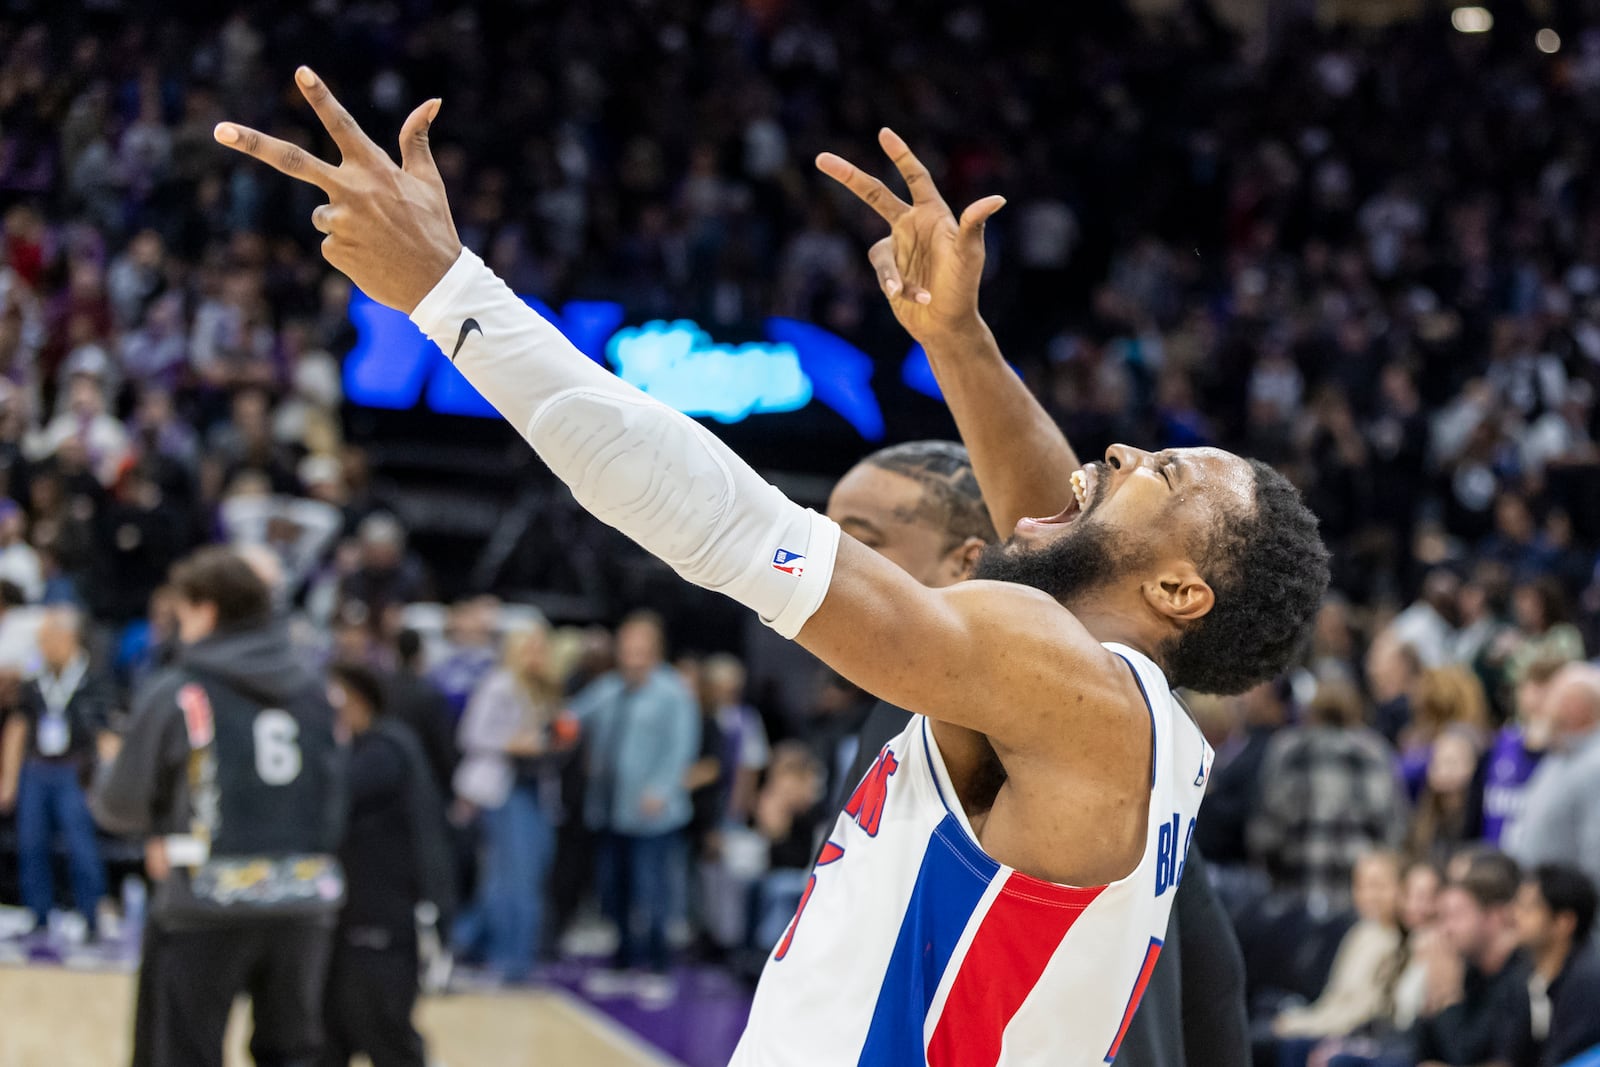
[(1002, 659), (930, 268)]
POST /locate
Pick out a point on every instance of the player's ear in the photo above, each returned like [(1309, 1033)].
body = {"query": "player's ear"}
[(1178, 592), (964, 557)]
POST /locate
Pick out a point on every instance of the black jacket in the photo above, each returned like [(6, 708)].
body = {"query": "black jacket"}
[(396, 852), (234, 743)]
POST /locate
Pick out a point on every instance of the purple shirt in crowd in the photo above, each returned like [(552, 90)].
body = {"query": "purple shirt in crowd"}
[(1505, 782)]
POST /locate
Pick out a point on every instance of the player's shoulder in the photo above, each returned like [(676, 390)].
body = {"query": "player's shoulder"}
[(1009, 611)]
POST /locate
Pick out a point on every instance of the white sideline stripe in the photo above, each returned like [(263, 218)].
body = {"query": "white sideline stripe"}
[(613, 1032)]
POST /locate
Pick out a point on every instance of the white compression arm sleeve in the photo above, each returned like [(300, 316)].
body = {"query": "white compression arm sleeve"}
[(655, 474)]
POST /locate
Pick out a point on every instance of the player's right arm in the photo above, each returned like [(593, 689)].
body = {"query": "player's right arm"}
[(930, 268), (1005, 660)]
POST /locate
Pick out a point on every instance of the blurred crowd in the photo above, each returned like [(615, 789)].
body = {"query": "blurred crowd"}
[(1370, 258)]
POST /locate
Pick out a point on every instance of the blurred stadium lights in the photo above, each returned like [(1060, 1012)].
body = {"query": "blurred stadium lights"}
[(1472, 19), (1548, 41)]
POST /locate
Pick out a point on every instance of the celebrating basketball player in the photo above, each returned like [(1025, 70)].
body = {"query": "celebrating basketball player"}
[(940, 926), (919, 505)]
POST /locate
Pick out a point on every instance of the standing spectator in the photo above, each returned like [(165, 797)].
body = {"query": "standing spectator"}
[(263, 807), (507, 741), (469, 653), (413, 700), (395, 857), (744, 750), (1470, 1009), (1554, 915), (50, 751), (644, 733), (1561, 818), (1329, 793)]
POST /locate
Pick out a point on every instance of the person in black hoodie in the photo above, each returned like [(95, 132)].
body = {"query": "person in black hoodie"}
[(231, 772), (395, 856)]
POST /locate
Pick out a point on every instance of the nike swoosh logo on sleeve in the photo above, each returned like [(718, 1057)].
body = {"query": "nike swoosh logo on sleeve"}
[(466, 328)]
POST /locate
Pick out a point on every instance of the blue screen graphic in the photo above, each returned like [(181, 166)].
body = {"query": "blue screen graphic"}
[(394, 366)]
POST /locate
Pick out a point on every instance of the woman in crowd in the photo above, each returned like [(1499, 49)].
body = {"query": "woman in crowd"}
[(1450, 810), (1422, 957), (1444, 697), (1360, 987), (510, 751)]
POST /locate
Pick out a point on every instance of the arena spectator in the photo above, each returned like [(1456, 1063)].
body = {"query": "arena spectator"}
[(1235, 792), (1442, 697), (1329, 793), (1428, 626), (1560, 821), (1555, 912), (1364, 971), (787, 816), (277, 794), (396, 857), (469, 652), (644, 733), (1393, 672), (1517, 750), (410, 698), (388, 574), (744, 751), (1449, 811), (508, 742), (1468, 1017), (19, 561), (51, 745)]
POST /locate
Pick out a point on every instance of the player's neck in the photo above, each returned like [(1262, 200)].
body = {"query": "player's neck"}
[(1113, 622)]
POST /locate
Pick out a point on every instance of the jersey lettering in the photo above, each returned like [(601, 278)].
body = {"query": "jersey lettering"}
[(1170, 857), (866, 803), (277, 747), (830, 853)]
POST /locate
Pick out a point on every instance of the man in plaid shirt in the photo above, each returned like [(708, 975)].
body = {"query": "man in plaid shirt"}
[(1329, 792)]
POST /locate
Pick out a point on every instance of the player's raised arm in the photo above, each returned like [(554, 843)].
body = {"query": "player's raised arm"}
[(668, 483), (930, 267)]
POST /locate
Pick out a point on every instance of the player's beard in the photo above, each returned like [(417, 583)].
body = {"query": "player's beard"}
[(1087, 557)]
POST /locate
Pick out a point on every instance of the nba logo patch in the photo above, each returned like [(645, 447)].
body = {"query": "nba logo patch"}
[(788, 562), (196, 715), (1207, 755)]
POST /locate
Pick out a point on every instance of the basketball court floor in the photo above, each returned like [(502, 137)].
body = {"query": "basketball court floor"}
[(62, 1017)]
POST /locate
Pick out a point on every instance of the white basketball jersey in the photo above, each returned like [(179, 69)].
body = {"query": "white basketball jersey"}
[(911, 945)]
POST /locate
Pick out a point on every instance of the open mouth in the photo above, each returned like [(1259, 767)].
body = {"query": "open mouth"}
[(1084, 481)]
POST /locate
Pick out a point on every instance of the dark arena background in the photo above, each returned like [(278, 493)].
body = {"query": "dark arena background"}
[(1358, 240)]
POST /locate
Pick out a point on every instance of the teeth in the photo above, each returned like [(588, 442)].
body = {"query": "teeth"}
[(1080, 488)]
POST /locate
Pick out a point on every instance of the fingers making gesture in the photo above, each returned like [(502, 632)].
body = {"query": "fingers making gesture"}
[(931, 264), (387, 227)]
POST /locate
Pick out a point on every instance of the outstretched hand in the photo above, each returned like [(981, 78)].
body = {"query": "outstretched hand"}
[(388, 228), (931, 264)]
